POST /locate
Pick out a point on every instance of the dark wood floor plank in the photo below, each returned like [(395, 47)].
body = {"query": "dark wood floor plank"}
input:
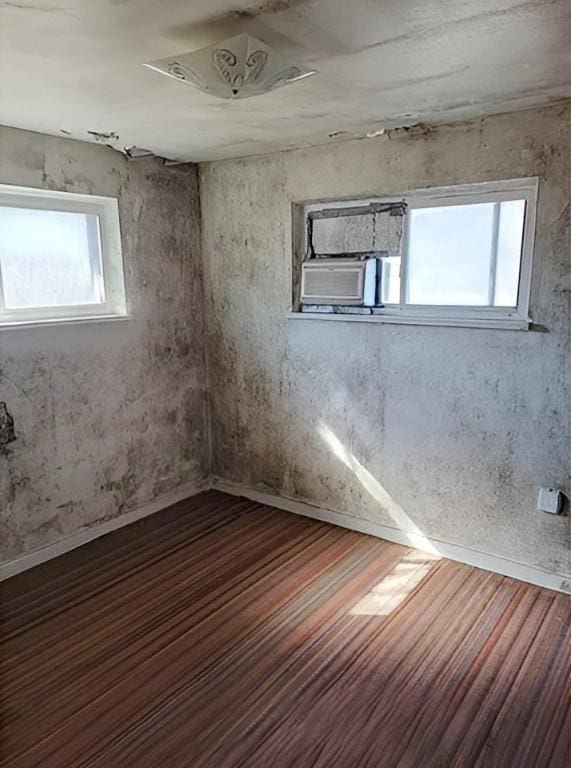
[(223, 633), (134, 594), (547, 667), (257, 670), (161, 640), (45, 595)]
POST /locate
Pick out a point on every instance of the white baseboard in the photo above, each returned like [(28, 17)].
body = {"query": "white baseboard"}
[(42, 555), (487, 562)]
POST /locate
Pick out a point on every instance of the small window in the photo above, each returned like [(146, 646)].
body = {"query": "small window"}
[(60, 257), (459, 255)]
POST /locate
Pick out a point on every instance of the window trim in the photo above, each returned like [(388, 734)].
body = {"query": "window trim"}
[(431, 197), (107, 210)]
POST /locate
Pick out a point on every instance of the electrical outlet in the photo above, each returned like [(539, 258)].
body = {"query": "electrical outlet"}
[(550, 500)]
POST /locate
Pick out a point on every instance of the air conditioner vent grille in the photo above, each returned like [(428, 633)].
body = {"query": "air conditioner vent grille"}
[(339, 281), (333, 283)]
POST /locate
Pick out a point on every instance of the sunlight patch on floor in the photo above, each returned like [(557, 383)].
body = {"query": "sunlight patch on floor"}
[(396, 586)]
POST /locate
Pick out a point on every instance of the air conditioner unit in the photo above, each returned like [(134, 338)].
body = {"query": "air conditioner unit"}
[(339, 281)]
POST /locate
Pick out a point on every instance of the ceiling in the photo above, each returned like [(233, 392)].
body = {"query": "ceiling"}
[(73, 66)]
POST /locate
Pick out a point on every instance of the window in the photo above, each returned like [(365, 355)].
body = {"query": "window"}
[(449, 256), (489, 237), (60, 257)]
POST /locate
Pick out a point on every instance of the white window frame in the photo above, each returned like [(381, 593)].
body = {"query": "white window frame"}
[(471, 316), (107, 211)]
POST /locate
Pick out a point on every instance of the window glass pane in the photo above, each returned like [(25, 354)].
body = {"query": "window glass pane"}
[(449, 255), (50, 258), (390, 280), (510, 236)]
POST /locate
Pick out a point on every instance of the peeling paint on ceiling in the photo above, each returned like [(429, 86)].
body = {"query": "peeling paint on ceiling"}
[(381, 65)]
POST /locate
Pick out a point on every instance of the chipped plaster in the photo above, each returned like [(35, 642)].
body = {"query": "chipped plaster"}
[(78, 67)]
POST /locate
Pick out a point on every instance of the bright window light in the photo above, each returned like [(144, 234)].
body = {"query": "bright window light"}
[(465, 255), (50, 258), (60, 257), (457, 255), (390, 280)]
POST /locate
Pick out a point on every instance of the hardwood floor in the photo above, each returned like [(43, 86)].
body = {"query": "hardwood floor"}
[(225, 633)]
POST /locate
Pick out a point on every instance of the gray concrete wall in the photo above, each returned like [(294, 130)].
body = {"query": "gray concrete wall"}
[(107, 415), (446, 431)]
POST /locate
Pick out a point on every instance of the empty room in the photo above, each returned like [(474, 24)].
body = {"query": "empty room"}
[(285, 377)]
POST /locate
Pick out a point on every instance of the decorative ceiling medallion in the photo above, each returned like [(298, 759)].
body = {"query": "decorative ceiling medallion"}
[(181, 72), (234, 69)]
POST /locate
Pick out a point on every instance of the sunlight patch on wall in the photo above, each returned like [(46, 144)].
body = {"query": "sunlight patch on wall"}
[(402, 521)]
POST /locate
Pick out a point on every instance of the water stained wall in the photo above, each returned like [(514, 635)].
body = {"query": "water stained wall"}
[(107, 415), (442, 431)]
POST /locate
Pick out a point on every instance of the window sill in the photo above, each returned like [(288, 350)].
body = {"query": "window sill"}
[(11, 325), (508, 324)]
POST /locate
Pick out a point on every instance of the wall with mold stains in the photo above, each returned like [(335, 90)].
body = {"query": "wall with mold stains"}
[(107, 416), (446, 431)]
